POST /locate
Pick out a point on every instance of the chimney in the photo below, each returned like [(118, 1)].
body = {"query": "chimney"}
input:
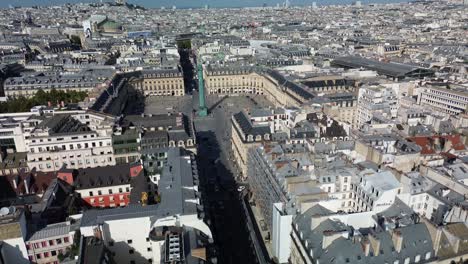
[(375, 244), (295, 164), (447, 145), (27, 180), (365, 246), (97, 233), (135, 170), (397, 239), (15, 181), (66, 176)]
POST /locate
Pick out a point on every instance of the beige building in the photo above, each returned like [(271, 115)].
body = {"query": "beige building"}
[(234, 80), (446, 101), (161, 82), (342, 107), (388, 150), (244, 136), (74, 141), (29, 86)]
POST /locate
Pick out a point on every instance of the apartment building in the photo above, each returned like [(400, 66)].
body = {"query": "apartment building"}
[(159, 82), (445, 101), (14, 128), (275, 172), (391, 236), (251, 80), (108, 186), (341, 107), (13, 233), (374, 191), (28, 86), (375, 99), (433, 201), (177, 126), (46, 244), (172, 230), (329, 85), (71, 141), (126, 143), (389, 150), (247, 134)]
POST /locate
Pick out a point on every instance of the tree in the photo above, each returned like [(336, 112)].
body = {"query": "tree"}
[(23, 104), (184, 44), (75, 40)]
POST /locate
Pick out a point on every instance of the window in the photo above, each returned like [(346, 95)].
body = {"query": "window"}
[(44, 244), (66, 239), (90, 193), (120, 190), (127, 189), (59, 241), (148, 249), (38, 256), (417, 258), (147, 239), (51, 242), (129, 241), (46, 254), (110, 191), (53, 253), (131, 251), (99, 193)]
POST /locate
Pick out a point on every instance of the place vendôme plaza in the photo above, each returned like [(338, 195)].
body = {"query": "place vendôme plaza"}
[(233, 132)]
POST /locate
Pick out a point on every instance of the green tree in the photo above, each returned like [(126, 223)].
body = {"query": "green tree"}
[(23, 104)]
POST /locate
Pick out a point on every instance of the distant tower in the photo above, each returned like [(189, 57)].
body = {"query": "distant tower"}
[(314, 5), (206, 7), (287, 4), (28, 17), (120, 2), (358, 3)]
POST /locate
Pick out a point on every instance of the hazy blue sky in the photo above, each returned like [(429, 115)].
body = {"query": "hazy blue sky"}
[(191, 3)]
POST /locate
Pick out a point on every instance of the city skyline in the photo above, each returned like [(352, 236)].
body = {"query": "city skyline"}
[(330, 134), (200, 4)]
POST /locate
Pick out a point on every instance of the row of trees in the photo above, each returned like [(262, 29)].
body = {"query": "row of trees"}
[(23, 104)]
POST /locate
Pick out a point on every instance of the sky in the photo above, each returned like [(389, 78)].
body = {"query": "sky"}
[(190, 3)]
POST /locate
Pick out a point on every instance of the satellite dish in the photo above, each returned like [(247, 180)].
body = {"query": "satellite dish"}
[(12, 209), (4, 211)]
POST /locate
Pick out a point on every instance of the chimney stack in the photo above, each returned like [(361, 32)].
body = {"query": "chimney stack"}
[(365, 246), (397, 239), (375, 244)]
